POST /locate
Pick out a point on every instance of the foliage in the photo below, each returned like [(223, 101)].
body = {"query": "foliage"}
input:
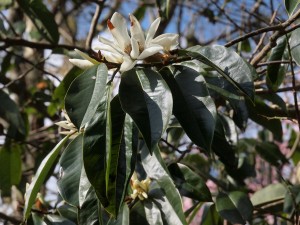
[(204, 133)]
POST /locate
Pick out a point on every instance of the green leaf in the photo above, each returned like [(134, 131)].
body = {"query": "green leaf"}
[(145, 96), (71, 165), (89, 210), (10, 167), (83, 96), (122, 218), (137, 214), (164, 7), (193, 107), (9, 111), (153, 214), (96, 144), (228, 64), (61, 90), (168, 199), (269, 194), (291, 5), (276, 72), (57, 220), (42, 18), (235, 207), (295, 45), (123, 153), (40, 177), (262, 114), (189, 183), (210, 216), (270, 152)]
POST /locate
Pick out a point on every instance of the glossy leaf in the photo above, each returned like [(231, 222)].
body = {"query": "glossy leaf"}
[(9, 111), (211, 216), (145, 96), (295, 46), (262, 114), (96, 143), (61, 90), (271, 153), (56, 220), (290, 5), (269, 194), (122, 218), (88, 214), (152, 212), (10, 168), (123, 154), (168, 199), (228, 64), (71, 166), (40, 177), (275, 72), (84, 94), (189, 183), (193, 106), (235, 207), (137, 214), (39, 13)]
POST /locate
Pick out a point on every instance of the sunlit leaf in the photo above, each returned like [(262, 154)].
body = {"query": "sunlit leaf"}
[(235, 207), (295, 45), (40, 176), (83, 95), (290, 5), (145, 96)]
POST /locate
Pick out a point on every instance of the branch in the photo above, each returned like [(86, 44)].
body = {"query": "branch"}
[(24, 43), (94, 22), (273, 39), (10, 219)]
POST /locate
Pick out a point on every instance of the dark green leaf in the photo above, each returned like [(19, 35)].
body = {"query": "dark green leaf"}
[(42, 17), (189, 183), (137, 214), (228, 64), (96, 143), (88, 213), (193, 106), (57, 220), (10, 168), (164, 7), (61, 90), (84, 95), (147, 99), (122, 155), (275, 72), (153, 214), (271, 153), (9, 111), (262, 114), (290, 5), (295, 45), (71, 165), (168, 199), (235, 207), (269, 194), (210, 216), (40, 177), (122, 218)]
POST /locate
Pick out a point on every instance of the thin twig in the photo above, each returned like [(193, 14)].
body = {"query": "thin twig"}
[(94, 22), (9, 219), (9, 24)]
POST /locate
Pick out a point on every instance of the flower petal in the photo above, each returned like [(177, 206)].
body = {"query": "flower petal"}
[(114, 58), (118, 28), (86, 56), (127, 64), (152, 30), (104, 47), (136, 31), (111, 44), (81, 63), (135, 49), (150, 51), (168, 41)]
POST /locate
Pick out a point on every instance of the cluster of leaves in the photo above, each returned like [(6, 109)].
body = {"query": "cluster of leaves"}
[(174, 122)]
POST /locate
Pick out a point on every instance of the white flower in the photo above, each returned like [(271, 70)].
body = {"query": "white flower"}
[(139, 188), (69, 127), (127, 50)]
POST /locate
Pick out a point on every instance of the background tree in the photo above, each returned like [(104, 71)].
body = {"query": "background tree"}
[(226, 99)]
